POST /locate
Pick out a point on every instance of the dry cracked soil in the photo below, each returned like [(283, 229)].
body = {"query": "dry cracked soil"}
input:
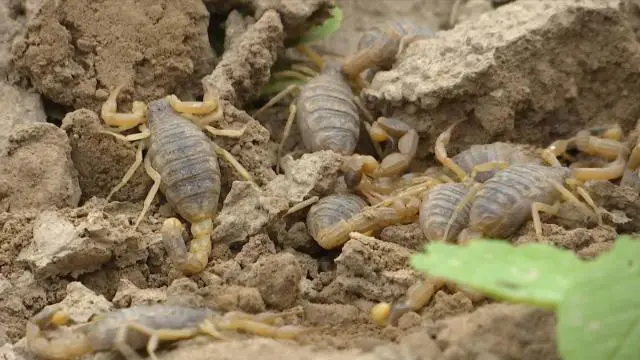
[(526, 72)]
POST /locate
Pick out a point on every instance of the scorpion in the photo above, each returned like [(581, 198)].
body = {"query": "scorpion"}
[(51, 334), (381, 45), (324, 112), (327, 115), (498, 206), (183, 163)]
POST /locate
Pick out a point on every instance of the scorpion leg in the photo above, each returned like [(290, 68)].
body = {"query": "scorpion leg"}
[(228, 157), (538, 207), (155, 176), (592, 145), (488, 166), (122, 121), (127, 176), (441, 152), (259, 325), (143, 134), (274, 100), (417, 297), (196, 259), (285, 134), (312, 55), (155, 335), (568, 196), (468, 197)]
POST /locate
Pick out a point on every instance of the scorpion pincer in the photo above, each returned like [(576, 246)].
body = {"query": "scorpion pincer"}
[(380, 46)]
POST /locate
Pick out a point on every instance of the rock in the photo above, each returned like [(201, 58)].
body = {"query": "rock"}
[(102, 160), (527, 65), (60, 247), (245, 68), (233, 298), (277, 278), (37, 171), (256, 247), (129, 295), (312, 174), (82, 304), (19, 295), (57, 248), (372, 269), (76, 51), (19, 107)]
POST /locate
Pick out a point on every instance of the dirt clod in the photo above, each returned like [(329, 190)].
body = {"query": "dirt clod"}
[(19, 107), (245, 68), (371, 269), (277, 278), (37, 171), (75, 52)]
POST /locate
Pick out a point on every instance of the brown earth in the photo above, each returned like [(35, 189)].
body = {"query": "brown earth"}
[(525, 73)]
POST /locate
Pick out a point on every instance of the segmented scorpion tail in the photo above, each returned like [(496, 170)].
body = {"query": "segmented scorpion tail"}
[(195, 260)]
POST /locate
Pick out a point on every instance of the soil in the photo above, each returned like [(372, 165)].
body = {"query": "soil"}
[(524, 73)]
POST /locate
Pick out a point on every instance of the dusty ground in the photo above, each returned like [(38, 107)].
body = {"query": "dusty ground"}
[(527, 72)]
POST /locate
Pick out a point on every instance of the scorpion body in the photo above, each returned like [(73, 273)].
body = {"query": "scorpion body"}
[(440, 220), (379, 46), (187, 162), (505, 201), (330, 211), (327, 116), (130, 329)]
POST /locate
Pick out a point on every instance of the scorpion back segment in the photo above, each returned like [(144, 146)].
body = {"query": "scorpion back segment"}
[(379, 46), (130, 329)]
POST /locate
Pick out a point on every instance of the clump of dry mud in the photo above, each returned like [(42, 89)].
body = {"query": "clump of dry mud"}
[(527, 72)]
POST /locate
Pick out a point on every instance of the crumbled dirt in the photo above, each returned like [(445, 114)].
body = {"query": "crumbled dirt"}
[(523, 73)]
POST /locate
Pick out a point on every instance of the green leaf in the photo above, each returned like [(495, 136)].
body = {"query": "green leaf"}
[(536, 274), (274, 86), (322, 31), (600, 315)]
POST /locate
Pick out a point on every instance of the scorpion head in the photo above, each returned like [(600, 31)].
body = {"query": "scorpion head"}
[(62, 342)]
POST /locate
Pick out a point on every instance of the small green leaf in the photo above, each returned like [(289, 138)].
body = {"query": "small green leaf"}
[(600, 315), (274, 86), (536, 274), (322, 31)]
